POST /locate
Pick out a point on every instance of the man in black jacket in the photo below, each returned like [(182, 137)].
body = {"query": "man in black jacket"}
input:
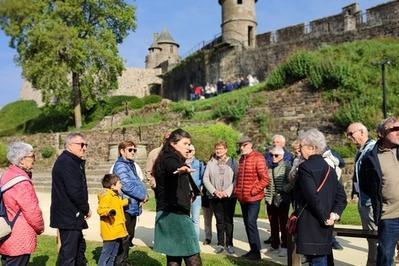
[(381, 167), (69, 200)]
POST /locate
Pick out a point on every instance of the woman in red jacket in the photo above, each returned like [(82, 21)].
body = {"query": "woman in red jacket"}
[(21, 200)]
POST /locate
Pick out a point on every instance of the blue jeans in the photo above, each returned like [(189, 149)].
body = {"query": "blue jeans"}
[(317, 260), (109, 252), (250, 212), (195, 214), (388, 235)]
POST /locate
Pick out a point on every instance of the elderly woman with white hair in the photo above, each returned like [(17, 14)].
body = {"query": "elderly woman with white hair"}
[(277, 197), (320, 199), (22, 206)]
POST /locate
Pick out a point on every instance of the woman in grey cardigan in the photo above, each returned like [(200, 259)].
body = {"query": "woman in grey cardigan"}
[(219, 178)]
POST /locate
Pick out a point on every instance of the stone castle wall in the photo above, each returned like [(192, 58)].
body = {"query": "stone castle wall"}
[(133, 82), (229, 62)]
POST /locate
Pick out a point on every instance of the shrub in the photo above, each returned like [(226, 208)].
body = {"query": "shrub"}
[(231, 110), (136, 103), (346, 151), (3, 155), (15, 115), (47, 152), (204, 137), (152, 99)]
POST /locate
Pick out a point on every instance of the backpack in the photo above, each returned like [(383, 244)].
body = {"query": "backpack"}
[(5, 224)]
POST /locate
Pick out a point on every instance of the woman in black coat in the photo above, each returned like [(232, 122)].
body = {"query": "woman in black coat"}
[(175, 235), (320, 200)]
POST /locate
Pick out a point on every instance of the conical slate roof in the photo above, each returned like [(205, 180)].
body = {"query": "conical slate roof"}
[(165, 37), (155, 42)]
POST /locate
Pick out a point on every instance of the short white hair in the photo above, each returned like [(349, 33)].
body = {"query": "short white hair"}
[(278, 136), (277, 150), (17, 151), (71, 136), (314, 137)]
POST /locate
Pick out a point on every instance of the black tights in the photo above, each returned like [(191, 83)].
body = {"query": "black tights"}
[(194, 260)]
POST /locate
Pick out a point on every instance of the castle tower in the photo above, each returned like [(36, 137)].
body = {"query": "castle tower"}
[(169, 48), (153, 51), (239, 22)]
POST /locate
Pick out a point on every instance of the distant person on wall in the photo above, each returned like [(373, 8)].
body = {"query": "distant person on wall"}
[(219, 179), (132, 188), (69, 200), (175, 234), (252, 179), (22, 206), (197, 174), (112, 218)]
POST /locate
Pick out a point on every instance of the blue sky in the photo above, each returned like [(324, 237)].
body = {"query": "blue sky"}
[(190, 22)]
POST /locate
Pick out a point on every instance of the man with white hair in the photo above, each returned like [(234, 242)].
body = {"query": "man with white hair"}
[(357, 133), (379, 179), (69, 200), (278, 141)]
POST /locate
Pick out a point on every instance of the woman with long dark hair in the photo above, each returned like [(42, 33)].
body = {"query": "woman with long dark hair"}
[(174, 230)]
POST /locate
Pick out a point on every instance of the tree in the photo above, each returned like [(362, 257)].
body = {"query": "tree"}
[(68, 49)]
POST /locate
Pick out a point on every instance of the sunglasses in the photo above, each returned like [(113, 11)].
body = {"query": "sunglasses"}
[(132, 150), (82, 144), (392, 129), (275, 155), (350, 134), (244, 144)]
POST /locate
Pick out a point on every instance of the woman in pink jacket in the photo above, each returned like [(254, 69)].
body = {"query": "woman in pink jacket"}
[(16, 249)]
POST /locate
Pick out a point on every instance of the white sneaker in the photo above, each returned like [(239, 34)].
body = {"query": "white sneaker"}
[(282, 252), (271, 249)]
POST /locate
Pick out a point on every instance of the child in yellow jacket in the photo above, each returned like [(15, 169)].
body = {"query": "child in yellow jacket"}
[(112, 218)]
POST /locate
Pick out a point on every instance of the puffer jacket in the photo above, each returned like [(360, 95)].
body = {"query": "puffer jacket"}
[(112, 227), (252, 177), (29, 224), (132, 187)]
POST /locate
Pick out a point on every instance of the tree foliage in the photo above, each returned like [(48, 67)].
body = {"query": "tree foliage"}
[(68, 49)]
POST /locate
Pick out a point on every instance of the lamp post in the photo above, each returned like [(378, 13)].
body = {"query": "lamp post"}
[(383, 85), (384, 88)]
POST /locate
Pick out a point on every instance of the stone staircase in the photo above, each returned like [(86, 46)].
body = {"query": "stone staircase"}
[(42, 177)]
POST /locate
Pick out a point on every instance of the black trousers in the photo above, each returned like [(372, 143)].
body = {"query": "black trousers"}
[(15, 260), (73, 247), (123, 252), (224, 213)]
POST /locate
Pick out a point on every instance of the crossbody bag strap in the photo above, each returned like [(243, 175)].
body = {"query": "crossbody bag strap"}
[(318, 189)]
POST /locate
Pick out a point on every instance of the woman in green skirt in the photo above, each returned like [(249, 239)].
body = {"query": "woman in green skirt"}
[(174, 230)]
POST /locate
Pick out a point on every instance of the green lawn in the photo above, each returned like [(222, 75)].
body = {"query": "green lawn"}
[(46, 254)]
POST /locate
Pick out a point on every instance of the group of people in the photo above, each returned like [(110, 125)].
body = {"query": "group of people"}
[(209, 90), (308, 178)]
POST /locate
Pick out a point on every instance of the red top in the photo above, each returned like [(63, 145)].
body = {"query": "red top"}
[(252, 177)]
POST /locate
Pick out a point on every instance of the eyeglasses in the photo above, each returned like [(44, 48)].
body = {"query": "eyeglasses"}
[(392, 129), (132, 150), (350, 134), (31, 156), (82, 144)]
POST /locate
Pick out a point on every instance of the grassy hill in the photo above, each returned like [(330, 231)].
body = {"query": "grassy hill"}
[(349, 74)]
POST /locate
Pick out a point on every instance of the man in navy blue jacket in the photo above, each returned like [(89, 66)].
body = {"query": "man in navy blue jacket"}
[(69, 200), (381, 167)]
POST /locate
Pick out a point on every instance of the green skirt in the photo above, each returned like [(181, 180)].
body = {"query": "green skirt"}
[(175, 235)]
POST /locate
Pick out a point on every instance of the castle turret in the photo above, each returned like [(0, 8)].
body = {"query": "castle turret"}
[(163, 50), (239, 22), (153, 52)]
